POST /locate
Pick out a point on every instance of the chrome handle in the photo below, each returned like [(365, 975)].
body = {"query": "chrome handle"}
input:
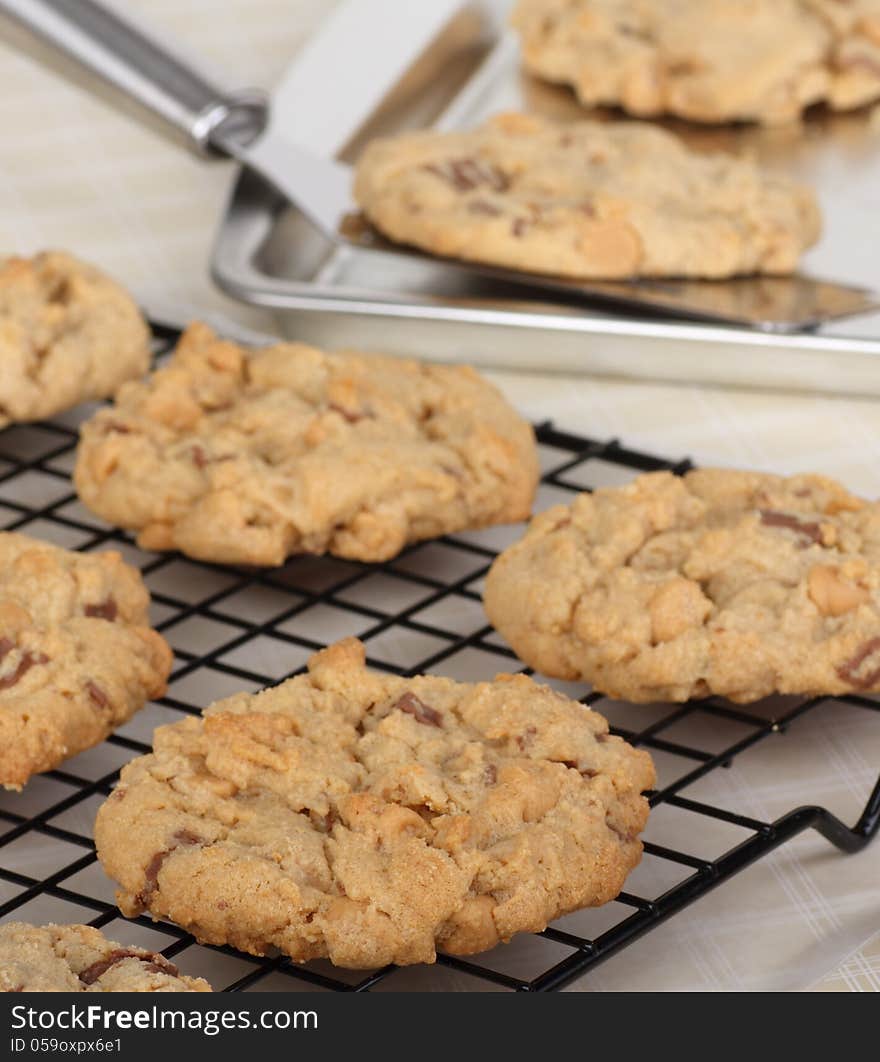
[(140, 66)]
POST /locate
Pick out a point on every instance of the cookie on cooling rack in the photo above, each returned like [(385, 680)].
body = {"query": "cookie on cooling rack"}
[(81, 959), (247, 457), (67, 334), (707, 60), (722, 582), (77, 655), (584, 200), (374, 819)]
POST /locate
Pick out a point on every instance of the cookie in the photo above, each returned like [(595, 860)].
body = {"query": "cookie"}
[(707, 60), (739, 584), (67, 334), (584, 200), (77, 657), (81, 959), (247, 457), (374, 819)]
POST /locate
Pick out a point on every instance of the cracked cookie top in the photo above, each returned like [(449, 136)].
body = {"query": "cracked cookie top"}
[(740, 584), (242, 456), (67, 333), (707, 60), (75, 958), (584, 200), (77, 655), (374, 819)]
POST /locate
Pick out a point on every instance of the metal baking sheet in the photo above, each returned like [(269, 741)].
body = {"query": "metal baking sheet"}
[(268, 255)]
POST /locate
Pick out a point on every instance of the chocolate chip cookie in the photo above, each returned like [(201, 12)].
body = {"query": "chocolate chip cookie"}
[(67, 334), (375, 819), (707, 60), (81, 959), (584, 200), (77, 656), (246, 457), (722, 582)]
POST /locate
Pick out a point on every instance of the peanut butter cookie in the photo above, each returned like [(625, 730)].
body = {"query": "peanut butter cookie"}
[(707, 60), (722, 582), (77, 656), (67, 334), (375, 819), (246, 457), (584, 200), (81, 959)]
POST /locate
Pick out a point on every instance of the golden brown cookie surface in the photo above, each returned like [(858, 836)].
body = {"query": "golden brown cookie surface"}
[(67, 333), (584, 200), (248, 457), (77, 958), (373, 819), (77, 655), (740, 584), (707, 60)]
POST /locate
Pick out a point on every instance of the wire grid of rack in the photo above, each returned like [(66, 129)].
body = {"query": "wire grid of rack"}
[(237, 629)]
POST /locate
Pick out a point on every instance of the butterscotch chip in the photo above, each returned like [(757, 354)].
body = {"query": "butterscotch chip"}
[(77, 655), (76, 958), (375, 819), (707, 60), (67, 333), (584, 200), (243, 456), (739, 584)]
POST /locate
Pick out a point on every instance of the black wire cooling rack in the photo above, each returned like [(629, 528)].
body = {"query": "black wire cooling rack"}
[(237, 629)]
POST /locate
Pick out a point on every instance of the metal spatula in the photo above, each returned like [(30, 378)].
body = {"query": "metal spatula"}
[(237, 124)]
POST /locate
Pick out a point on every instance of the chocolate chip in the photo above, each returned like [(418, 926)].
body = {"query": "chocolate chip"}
[(422, 712), (116, 427), (625, 836), (635, 32), (483, 206), (151, 872), (584, 772), (684, 66), (808, 528), (96, 695), (107, 610), (199, 457), (849, 670), (490, 774), (323, 823), (526, 737), (350, 415), (469, 173), (61, 291), (859, 62), (27, 661), (155, 964)]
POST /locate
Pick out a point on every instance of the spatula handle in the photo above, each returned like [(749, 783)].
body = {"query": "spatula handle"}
[(125, 56)]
